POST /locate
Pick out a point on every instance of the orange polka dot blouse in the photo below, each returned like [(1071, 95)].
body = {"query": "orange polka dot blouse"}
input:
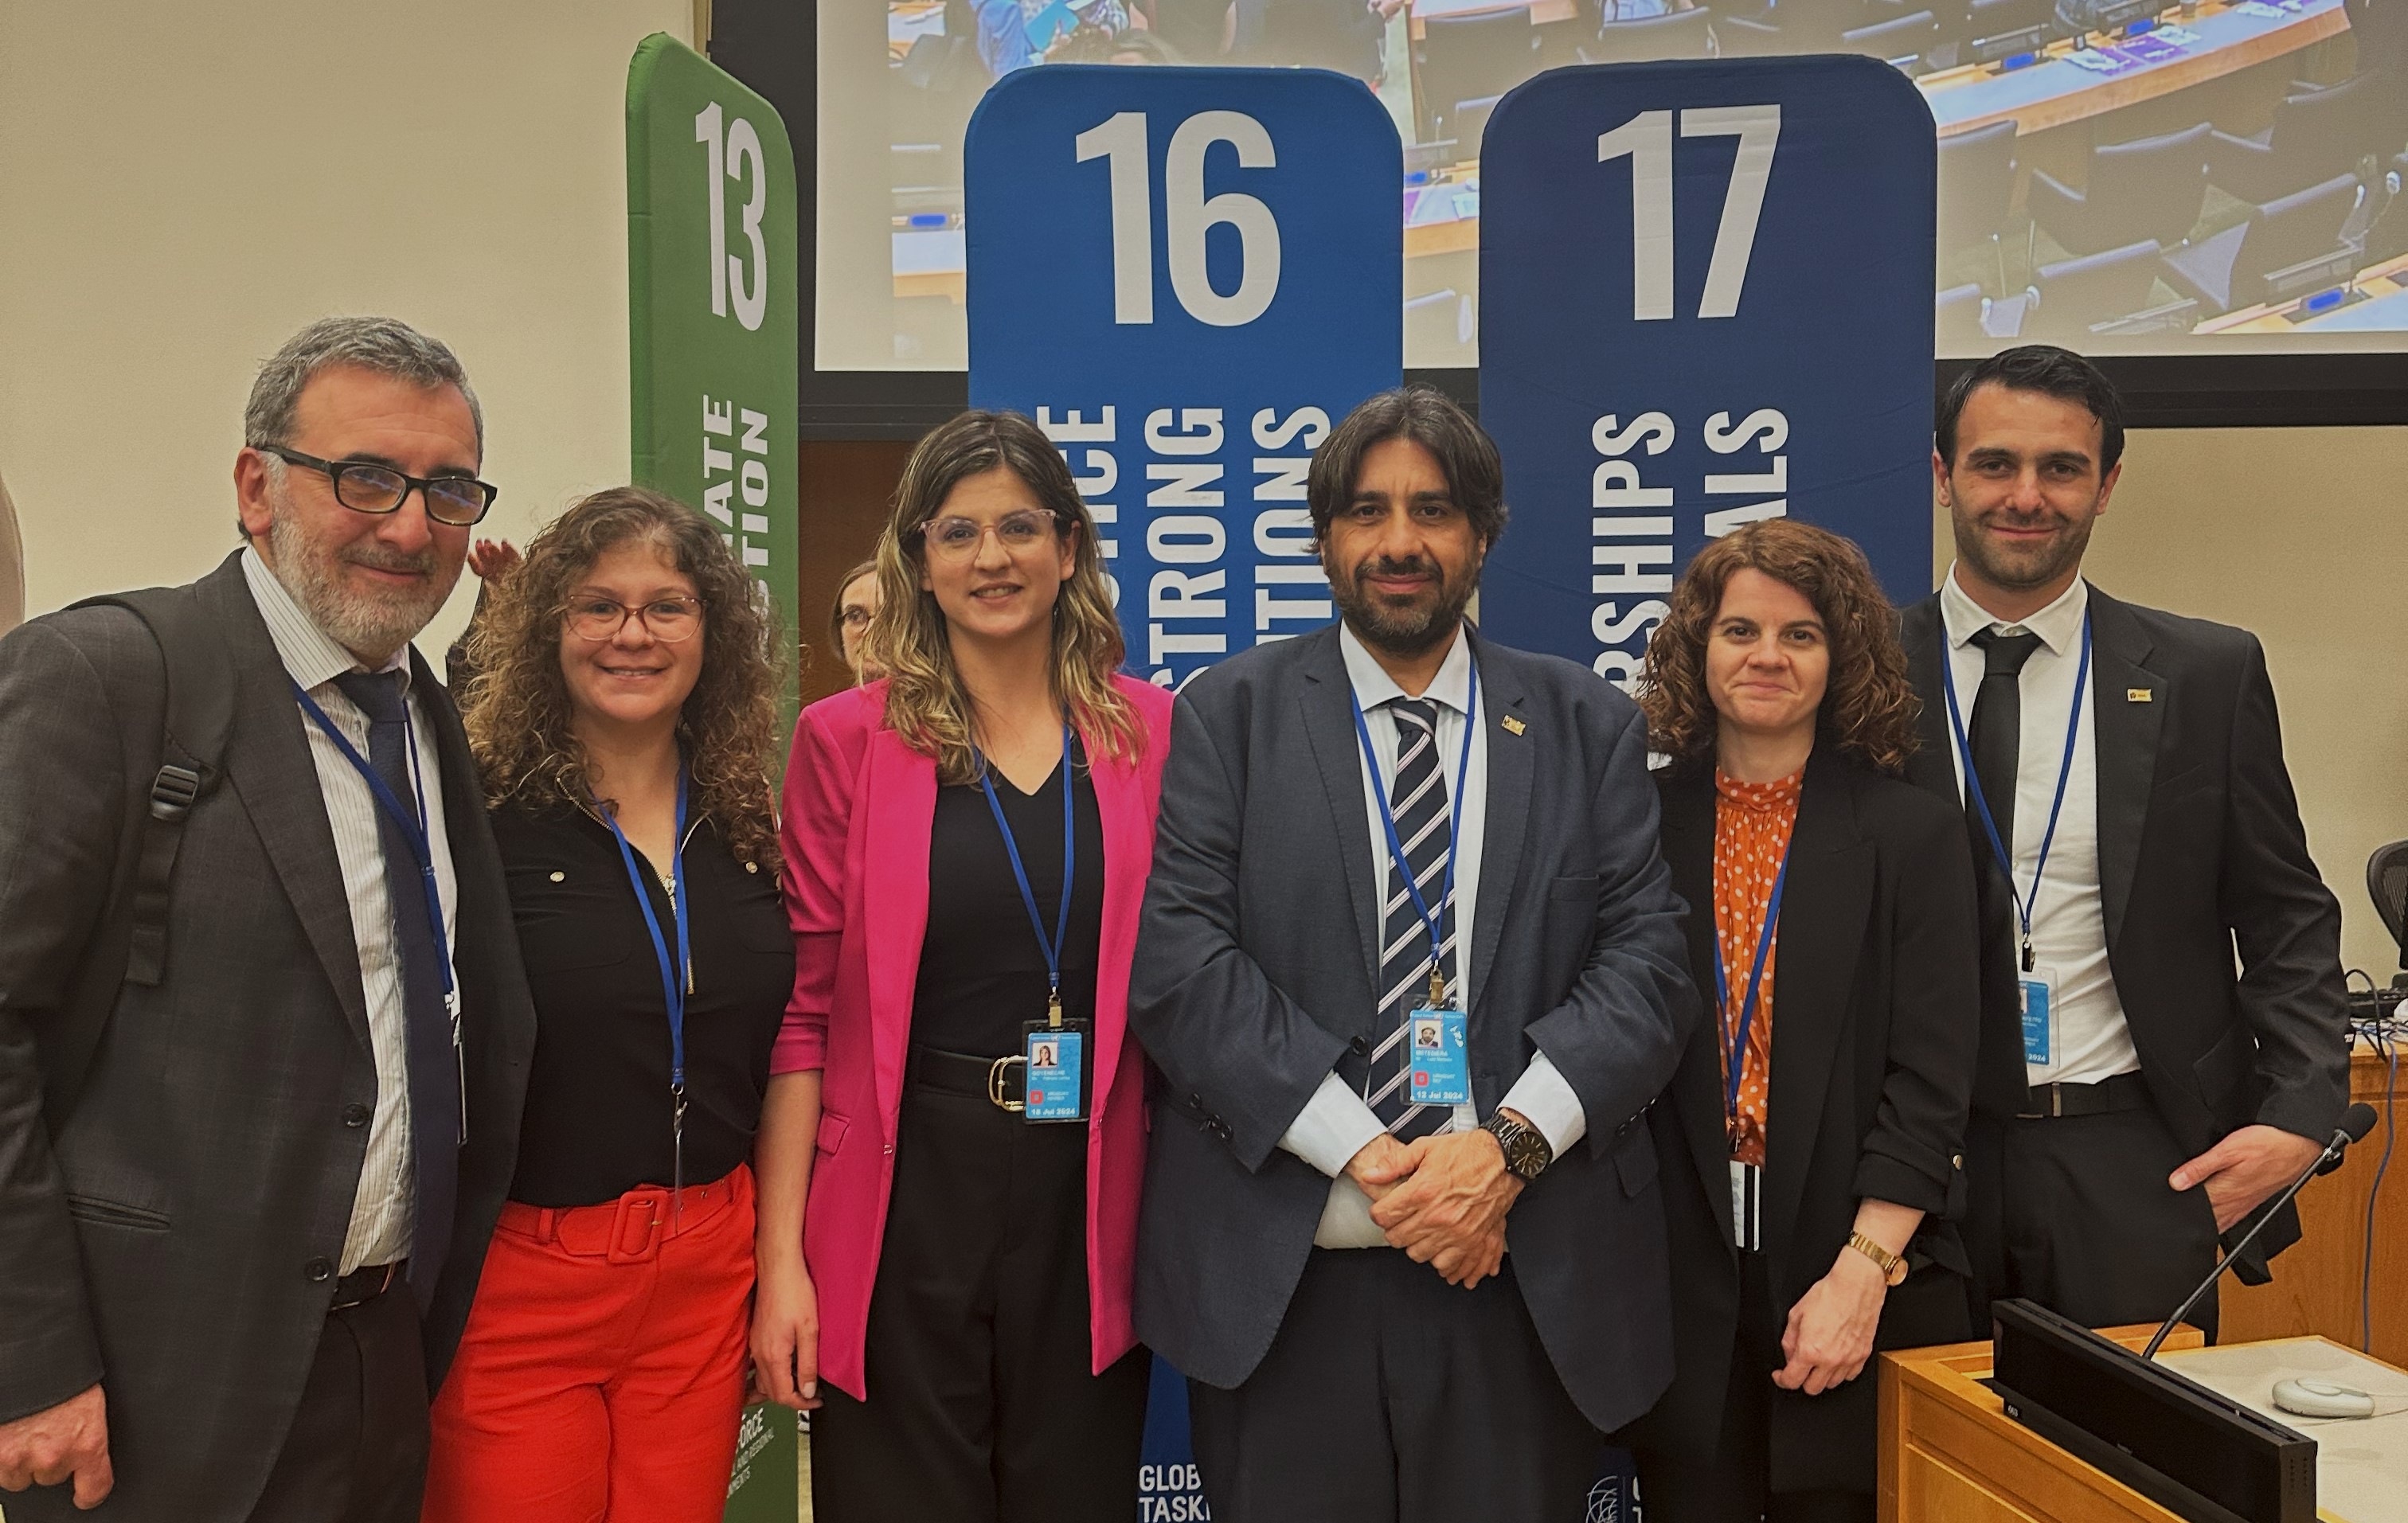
[(1753, 823)]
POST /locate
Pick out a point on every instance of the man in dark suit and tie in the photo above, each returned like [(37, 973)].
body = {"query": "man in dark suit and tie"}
[(2135, 1096), (1411, 968), (237, 1243)]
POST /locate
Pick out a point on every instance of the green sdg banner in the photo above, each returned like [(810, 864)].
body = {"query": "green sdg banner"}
[(711, 306)]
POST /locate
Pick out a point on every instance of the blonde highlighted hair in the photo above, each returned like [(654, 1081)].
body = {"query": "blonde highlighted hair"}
[(926, 705)]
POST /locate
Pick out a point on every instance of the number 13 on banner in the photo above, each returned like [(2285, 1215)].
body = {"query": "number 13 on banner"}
[(1773, 356), (1187, 275)]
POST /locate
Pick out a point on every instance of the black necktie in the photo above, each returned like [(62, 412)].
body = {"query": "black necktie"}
[(1417, 802), (434, 1070), (1996, 736)]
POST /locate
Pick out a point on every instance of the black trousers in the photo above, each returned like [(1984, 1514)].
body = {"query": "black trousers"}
[(981, 1407), (2075, 1212), (1390, 1395), (357, 1449), (1736, 1486)]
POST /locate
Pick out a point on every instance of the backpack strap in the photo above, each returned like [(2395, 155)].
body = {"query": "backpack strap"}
[(199, 711)]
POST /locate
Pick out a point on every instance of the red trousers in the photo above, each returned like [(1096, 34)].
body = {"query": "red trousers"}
[(601, 1378)]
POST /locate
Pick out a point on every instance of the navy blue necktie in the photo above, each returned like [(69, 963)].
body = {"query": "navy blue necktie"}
[(1418, 803), (434, 1067)]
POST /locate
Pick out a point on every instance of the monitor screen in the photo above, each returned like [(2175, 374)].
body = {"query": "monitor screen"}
[(2124, 177)]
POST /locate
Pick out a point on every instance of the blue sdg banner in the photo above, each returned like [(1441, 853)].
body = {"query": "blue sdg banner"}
[(1700, 306), (1187, 277)]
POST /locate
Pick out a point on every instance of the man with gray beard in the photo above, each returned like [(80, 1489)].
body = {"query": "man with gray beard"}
[(257, 1110)]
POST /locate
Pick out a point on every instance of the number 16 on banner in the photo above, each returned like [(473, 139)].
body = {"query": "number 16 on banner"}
[(1187, 277), (1705, 302)]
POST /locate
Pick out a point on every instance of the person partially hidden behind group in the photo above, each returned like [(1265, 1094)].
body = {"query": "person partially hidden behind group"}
[(966, 848), (1812, 1144), (856, 605), (624, 717)]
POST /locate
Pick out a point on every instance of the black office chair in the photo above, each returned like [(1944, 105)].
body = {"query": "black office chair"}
[(1469, 58), (1676, 34), (2314, 136), (2386, 883), (1907, 40), (1469, 125), (2229, 269), (2072, 295), (1977, 191), (2150, 188), (2029, 21)]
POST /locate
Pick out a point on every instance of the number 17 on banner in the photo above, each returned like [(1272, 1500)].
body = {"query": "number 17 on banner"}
[(1186, 276)]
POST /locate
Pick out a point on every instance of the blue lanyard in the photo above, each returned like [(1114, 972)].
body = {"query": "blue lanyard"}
[(1735, 1048), (1982, 805), (677, 978), (413, 831), (1396, 842), (1051, 946)]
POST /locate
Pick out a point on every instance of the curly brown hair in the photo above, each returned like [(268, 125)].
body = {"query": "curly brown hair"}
[(1868, 707), (517, 706)]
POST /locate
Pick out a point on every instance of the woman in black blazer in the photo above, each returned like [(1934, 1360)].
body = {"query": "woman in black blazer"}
[(1810, 1202)]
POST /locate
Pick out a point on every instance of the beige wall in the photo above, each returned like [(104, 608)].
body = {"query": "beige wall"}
[(2296, 534), (182, 186)]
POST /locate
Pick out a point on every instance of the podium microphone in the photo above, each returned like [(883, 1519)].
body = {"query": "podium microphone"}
[(2356, 1122)]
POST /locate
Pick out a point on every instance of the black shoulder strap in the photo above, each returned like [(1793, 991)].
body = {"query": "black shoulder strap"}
[(134, 935)]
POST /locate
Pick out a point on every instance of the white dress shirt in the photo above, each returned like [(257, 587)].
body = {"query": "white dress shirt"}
[(2068, 924), (386, 1198), (1336, 1122)]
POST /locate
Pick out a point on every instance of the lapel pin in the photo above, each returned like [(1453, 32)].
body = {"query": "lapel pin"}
[(1512, 726), (2138, 695)]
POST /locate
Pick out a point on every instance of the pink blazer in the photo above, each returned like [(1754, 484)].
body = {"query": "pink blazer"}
[(859, 806)]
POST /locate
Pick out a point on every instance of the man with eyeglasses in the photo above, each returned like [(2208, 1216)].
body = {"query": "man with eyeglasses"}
[(262, 1029)]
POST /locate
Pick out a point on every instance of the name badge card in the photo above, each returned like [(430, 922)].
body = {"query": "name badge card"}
[(2037, 993), (1187, 276), (1441, 1071), (1057, 1070), (1703, 302)]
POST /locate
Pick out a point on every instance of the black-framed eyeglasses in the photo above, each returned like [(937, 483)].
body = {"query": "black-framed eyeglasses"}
[(366, 487)]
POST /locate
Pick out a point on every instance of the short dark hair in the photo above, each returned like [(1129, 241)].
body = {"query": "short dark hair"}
[(2045, 368), (1464, 451)]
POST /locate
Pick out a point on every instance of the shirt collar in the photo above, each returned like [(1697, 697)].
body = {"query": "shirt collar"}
[(1373, 685), (309, 654), (2058, 625)]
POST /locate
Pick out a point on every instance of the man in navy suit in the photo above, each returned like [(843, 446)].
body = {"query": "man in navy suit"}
[(1411, 965)]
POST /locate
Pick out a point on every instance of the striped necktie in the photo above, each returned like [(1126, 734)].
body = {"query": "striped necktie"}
[(1417, 801)]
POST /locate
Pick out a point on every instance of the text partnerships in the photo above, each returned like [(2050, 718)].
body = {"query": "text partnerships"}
[(711, 318), (1187, 275), (1703, 307)]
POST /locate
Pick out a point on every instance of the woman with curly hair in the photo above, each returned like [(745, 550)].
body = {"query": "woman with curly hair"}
[(1812, 1144), (624, 715), (947, 1274)]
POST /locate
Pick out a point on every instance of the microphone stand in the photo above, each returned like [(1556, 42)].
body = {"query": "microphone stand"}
[(2331, 1154)]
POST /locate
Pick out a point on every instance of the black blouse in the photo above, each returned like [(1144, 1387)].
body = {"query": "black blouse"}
[(598, 1105), (982, 972)]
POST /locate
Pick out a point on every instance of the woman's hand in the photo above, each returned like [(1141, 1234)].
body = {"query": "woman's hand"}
[(1830, 1331), (785, 1331), (492, 558)]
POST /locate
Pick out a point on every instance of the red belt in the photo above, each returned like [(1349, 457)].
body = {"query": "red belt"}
[(627, 1230)]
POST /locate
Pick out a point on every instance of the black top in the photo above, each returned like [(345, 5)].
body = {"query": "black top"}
[(597, 1102), (982, 972)]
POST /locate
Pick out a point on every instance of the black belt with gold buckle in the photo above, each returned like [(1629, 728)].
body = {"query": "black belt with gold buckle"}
[(364, 1284), (995, 1080)]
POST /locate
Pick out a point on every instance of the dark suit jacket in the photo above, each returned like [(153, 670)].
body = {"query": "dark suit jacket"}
[(159, 1239), (1875, 1010), (2201, 855), (1254, 977)]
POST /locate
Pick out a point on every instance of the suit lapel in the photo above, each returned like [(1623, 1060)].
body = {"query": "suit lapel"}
[(1129, 855), (1326, 702), (1688, 835), (896, 811), (1923, 636), (1822, 914), (1508, 806), (267, 759), (2126, 748)]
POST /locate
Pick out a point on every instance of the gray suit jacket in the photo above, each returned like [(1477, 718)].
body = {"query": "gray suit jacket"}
[(161, 1239), (1254, 977)]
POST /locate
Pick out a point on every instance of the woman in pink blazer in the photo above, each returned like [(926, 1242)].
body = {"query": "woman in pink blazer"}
[(946, 1277)]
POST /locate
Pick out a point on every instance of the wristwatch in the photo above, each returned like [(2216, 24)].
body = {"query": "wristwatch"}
[(1893, 1265), (1527, 1153)]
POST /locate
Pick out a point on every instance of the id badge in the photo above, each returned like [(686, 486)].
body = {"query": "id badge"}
[(2037, 993), (1747, 1205), (1057, 1070), (1439, 1072)]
